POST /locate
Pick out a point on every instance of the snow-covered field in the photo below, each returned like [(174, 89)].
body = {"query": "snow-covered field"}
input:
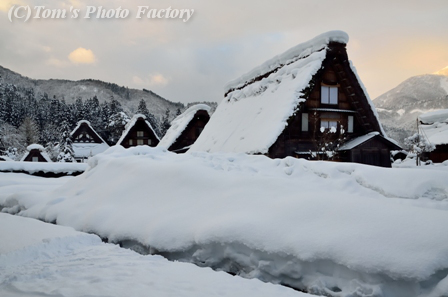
[(334, 229), (39, 259)]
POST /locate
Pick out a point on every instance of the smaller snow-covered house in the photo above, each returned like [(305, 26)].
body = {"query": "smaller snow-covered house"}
[(86, 142), (186, 128), (296, 104), (434, 126), (138, 131), (35, 153)]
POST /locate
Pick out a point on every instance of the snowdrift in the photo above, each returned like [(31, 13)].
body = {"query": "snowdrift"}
[(39, 259), (328, 228)]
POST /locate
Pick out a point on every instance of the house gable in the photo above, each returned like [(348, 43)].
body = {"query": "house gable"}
[(84, 133), (138, 132), (351, 109), (35, 153), (86, 142)]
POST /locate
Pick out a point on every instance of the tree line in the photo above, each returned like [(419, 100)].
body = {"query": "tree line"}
[(26, 118)]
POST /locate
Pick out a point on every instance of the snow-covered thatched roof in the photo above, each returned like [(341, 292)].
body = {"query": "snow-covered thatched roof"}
[(132, 123), (179, 124), (295, 53), (435, 126), (432, 117), (38, 147), (258, 105), (87, 149), (78, 125)]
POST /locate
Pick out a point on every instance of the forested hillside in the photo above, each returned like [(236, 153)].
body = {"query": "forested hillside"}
[(26, 118)]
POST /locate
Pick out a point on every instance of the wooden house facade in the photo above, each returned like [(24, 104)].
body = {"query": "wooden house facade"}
[(138, 132), (186, 128), (86, 142), (300, 104), (35, 153)]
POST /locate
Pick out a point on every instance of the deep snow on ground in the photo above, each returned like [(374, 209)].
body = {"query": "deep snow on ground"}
[(39, 259), (330, 228)]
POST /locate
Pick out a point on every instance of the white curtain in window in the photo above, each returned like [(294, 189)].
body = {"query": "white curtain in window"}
[(350, 124), (333, 95), (304, 122)]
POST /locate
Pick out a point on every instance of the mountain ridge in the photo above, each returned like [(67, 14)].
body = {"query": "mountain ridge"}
[(70, 90), (400, 107)]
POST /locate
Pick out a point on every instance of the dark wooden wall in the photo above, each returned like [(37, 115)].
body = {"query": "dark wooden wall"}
[(438, 155)]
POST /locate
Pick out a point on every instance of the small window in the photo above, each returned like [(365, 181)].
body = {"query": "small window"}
[(350, 124), (304, 122), (35, 159), (139, 133), (329, 120), (328, 124), (329, 95), (149, 141), (139, 141), (130, 142)]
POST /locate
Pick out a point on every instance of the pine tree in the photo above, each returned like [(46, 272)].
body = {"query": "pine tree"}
[(116, 126), (66, 153), (165, 123), (142, 109)]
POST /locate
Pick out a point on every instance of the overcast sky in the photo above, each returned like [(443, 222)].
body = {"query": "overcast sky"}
[(390, 41)]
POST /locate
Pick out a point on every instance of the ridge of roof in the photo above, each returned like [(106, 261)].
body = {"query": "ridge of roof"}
[(299, 51)]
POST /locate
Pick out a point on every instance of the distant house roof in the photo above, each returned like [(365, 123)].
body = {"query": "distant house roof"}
[(179, 124), (36, 149), (257, 105), (85, 149), (132, 123), (87, 123), (435, 126), (440, 116)]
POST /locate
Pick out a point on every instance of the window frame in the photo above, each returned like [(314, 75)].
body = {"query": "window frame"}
[(329, 94)]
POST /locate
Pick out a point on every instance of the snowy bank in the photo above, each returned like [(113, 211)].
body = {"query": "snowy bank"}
[(50, 167), (39, 259), (338, 229)]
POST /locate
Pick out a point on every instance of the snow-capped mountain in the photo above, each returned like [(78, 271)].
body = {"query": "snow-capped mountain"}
[(399, 108), (70, 90)]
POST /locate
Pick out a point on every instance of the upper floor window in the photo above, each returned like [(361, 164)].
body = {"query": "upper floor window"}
[(329, 121), (329, 95), (139, 133)]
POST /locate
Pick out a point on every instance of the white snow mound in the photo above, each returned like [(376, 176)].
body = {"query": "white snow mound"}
[(337, 229)]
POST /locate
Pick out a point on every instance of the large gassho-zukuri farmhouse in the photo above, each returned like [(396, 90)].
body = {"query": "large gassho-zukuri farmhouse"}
[(300, 103)]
